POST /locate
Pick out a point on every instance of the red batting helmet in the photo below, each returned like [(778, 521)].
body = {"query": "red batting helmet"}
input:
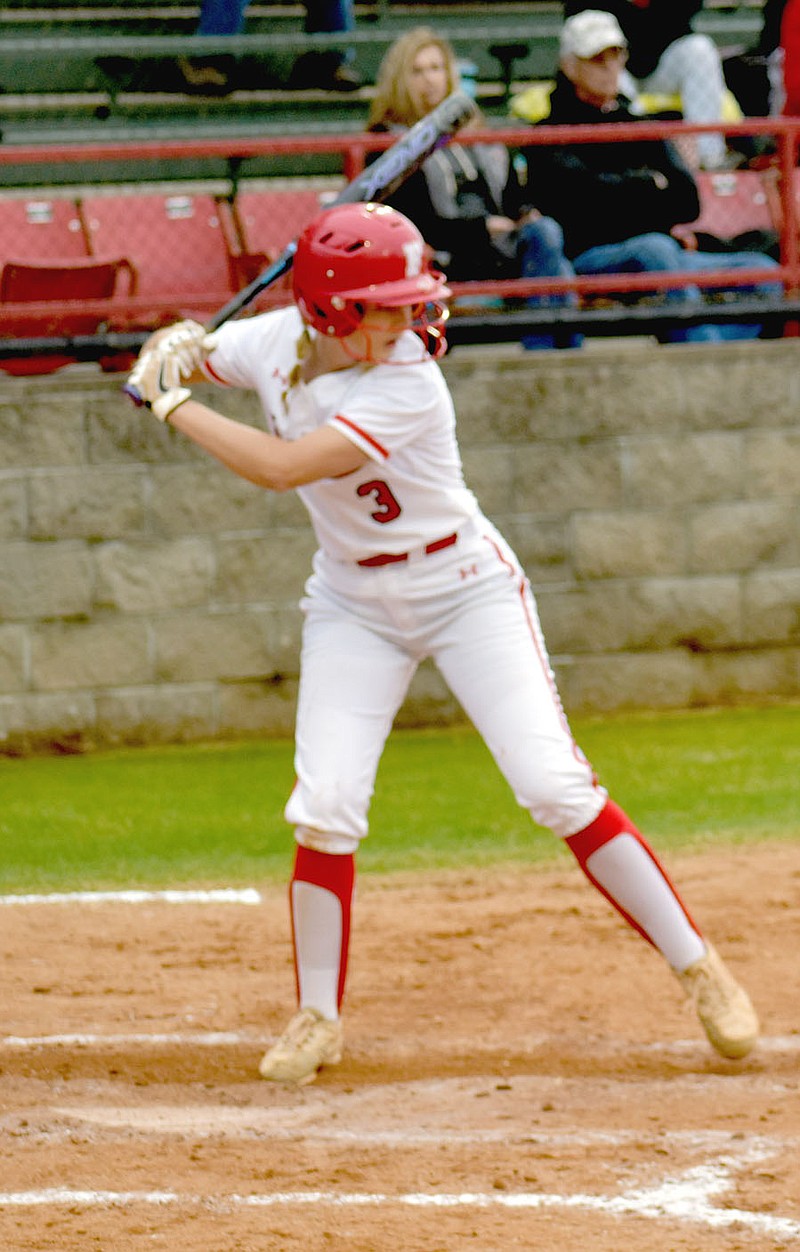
[(356, 254)]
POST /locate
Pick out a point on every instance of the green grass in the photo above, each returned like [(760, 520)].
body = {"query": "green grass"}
[(212, 814)]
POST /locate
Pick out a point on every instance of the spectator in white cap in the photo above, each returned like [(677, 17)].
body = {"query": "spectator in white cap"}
[(666, 57), (618, 202), (590, 33)]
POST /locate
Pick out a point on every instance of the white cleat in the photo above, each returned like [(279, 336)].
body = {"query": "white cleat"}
[(723, 1007), (308, 1042)]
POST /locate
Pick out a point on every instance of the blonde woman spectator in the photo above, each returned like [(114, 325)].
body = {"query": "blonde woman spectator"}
[(471, 203)]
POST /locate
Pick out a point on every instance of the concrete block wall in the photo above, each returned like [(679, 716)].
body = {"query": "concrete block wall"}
[(653, 494)]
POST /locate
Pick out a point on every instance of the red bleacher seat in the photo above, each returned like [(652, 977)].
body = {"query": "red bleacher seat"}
[(41, 229), (177, 244), (732, 203), (65, 284), (266, 221)]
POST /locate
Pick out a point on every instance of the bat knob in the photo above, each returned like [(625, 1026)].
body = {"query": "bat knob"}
[(133, 395)]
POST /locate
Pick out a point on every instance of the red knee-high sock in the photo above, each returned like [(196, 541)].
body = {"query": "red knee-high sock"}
[(620, 863), (320, 896)]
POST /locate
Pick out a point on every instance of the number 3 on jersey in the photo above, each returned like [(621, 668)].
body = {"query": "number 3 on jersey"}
[(387, 507)]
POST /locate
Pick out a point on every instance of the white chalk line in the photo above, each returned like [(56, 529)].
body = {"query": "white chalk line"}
[(776, 1044), (217, 895), (291, 1125), (206, 1039), (685, 1198)]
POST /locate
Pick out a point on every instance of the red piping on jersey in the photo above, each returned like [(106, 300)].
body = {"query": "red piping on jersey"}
[(208, 368), (362, 434)]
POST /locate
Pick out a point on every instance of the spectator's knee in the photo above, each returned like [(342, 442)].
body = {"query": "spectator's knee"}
[(544, 230), (700, 53), (656, 251)]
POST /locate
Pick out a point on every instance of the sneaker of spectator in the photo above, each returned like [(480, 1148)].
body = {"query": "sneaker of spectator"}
[(328, 71), (619, 202)]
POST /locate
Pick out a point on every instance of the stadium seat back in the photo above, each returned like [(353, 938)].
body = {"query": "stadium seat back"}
[(269, 220), (65, 285), (177, 243), (733, 203), (41, 229)]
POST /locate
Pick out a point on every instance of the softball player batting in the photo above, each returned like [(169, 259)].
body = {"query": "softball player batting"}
[(360, 422)]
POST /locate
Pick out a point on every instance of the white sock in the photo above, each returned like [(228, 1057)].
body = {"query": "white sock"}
[(317, 920), (634, 880)]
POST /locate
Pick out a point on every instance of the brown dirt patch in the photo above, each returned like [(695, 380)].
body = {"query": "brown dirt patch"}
[(521, 1071)]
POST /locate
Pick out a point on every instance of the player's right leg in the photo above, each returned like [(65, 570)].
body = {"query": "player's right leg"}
[(320, 901), (352, 683)]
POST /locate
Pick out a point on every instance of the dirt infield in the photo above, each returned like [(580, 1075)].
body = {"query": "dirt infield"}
[(521, 1072)]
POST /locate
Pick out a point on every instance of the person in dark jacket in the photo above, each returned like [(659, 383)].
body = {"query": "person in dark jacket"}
[(668, 57), (471, 202), (618, 202)]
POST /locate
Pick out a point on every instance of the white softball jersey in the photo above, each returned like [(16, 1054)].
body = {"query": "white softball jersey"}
[(411, 492)]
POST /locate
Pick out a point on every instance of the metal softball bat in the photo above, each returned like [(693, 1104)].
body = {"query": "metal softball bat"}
[(374, 183)]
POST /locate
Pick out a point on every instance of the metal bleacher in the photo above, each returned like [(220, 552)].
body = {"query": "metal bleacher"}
[(88, 70), (129, 200)]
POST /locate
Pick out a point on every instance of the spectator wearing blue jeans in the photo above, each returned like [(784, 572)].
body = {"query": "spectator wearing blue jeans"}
[(618, 202), (656, 252), (227, 17)]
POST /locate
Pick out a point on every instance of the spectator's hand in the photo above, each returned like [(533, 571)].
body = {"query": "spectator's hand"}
[(685, 237), (498, 225), (655, 177), (532, 215)]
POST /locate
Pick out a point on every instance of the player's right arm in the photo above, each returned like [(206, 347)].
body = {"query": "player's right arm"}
[(169, 362), (264, 459)]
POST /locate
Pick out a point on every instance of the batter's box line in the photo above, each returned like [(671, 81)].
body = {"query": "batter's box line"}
[(776, 1044), (215, 895), (685, 1198)]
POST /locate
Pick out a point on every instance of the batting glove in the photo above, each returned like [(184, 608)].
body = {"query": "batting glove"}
[(189, 343), (156, 381)]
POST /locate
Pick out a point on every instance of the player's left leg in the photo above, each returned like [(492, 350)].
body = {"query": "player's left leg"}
[(496, 663), (320, 902), (619, 861)]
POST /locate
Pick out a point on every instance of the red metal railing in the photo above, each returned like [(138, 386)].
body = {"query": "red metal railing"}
[(127, 318)]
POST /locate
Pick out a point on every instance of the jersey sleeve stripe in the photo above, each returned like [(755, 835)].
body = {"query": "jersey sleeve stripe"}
[(208, 369), (366, 441)]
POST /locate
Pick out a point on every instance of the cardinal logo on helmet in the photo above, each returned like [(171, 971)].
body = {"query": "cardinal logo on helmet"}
[(414, 252)]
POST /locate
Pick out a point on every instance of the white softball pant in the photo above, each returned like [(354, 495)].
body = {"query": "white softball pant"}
[(470, 608)]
